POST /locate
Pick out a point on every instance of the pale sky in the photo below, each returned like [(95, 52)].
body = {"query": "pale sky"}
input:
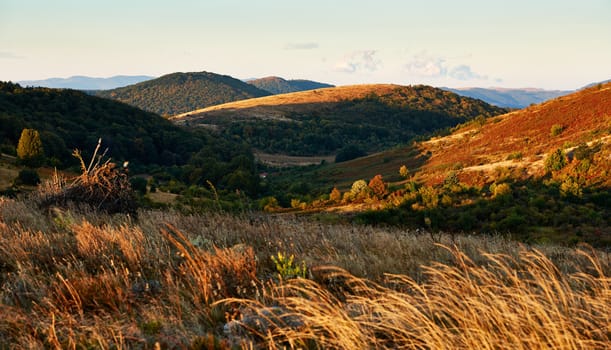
[(552, 44)]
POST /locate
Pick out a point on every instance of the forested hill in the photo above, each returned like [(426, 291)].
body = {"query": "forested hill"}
[(70, 119), (277, 85), (182, 92), (323, 121)]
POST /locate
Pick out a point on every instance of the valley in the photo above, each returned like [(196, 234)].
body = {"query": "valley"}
[(305, 175), (317, 205)]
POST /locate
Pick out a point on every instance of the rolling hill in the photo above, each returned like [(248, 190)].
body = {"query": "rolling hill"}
[(181, 92), (539, 174), (528, 134), (277, 85), (323, 121), (475, 150), (87, 83), (70, 119), (510, 98)]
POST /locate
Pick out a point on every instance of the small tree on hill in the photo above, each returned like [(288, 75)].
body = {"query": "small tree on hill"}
[(335, 196), (359, 190), (404, 172), (555, 160), (377, 186), (29, 148)]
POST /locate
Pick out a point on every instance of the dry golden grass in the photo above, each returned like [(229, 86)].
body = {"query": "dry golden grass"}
[(524, 303), (73, 278), (272, 105)]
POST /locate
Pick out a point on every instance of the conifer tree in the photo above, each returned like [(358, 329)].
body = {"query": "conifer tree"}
[(29, 148)]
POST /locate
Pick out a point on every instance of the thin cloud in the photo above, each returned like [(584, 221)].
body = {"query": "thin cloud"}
[(9, 56), (427, 66), (430, 66), (464, 72), (301, 46), (359, 61)]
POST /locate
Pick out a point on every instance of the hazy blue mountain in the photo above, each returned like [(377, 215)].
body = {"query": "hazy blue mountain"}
[(79, 82), (595, 83), (509, 98), (277, 85)]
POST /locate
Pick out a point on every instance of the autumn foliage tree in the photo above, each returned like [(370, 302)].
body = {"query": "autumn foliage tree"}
[(29, 148), (378, 186), (335, 196)]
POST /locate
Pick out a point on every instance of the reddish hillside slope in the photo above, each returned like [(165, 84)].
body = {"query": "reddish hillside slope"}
[(522, 138)]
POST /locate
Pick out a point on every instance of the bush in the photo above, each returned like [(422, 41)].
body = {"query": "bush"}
[(556, 130), (348, 153), (8, 149), (101, 185), (359, 189), (28, 177), (555, 161), (138, 184)]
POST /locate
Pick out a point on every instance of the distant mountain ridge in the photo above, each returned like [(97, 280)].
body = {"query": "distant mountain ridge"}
[(277, 85), (182, 92), (509, 98), (79, 82)]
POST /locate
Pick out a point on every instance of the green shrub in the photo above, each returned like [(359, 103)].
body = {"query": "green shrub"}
[(348, 153), (556, 130), (138, 184), (515, 156), (555, 161), (28, 177), (286, 268), (570, 188)]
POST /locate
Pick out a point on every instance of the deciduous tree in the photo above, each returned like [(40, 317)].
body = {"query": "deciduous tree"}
[(29, 148)]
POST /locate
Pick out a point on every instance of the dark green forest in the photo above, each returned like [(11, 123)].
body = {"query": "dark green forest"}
[(277, 85), (372, 124), (70, 119), (183, 92)]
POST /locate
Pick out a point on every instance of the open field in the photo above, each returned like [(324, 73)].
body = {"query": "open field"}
[(282, 160), (81, 279)]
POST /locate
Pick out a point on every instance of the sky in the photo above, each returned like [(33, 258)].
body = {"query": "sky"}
[(551, 44)]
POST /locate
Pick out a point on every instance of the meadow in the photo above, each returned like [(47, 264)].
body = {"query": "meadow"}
[(76, 278)]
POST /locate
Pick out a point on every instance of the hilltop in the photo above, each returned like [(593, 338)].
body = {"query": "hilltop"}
[(510, 98), (181, 92), (277, 85), (323, 121)]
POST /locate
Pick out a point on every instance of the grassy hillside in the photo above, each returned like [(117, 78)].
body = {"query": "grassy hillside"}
[(181, 92), (69, 119), (323, 121), (522, 139), (277, 85), (541, 173), (74, 279)]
